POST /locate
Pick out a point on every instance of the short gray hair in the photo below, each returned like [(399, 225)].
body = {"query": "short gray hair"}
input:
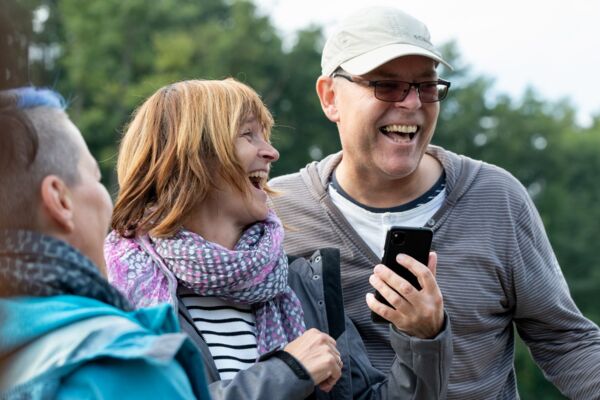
[(33, 144)]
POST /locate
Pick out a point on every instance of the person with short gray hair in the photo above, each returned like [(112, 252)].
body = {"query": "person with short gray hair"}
[(496, 268), (65, 332), (38, 117)]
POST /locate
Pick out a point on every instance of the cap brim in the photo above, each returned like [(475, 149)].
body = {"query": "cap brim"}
[(369, 61)]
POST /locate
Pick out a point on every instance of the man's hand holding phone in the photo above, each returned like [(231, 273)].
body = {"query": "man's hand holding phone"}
[(416, 312)]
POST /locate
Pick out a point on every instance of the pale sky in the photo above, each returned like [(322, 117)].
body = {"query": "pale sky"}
[(551, 45)]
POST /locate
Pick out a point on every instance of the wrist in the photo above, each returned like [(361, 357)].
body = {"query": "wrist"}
[(289, 360)]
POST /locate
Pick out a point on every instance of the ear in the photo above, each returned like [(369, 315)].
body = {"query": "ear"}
[(326, 93), (57, 203)]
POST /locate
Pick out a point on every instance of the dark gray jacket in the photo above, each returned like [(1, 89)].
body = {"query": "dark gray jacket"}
[(420, 370)]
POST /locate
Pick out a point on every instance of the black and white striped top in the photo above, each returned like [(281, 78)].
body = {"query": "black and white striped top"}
[(228, 329)]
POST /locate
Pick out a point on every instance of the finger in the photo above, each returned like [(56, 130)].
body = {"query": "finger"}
[(379, 308), (391, 286), (337, 364), (326, 387), (327, 339), (328, 384), (321, 338), (336, 352), (422, 272), (336, 371), (330, 345)]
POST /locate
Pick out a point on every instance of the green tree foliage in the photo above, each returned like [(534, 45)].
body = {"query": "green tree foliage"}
[(137, 49), (16, 37), (108, 56), (302, 133)]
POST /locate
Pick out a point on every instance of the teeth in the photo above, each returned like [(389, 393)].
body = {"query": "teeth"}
[(258, 178), (259, 174), (400, 128)]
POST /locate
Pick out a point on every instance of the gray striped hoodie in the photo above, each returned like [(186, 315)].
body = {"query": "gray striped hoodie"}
[(496, 270)]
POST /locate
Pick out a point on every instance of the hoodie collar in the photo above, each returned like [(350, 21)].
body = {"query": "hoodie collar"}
[(460, 173)]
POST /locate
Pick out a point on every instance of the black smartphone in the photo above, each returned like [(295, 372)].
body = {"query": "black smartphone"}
[(413, 241)]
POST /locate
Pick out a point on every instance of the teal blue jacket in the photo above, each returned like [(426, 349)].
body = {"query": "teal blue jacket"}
[(69, 347)]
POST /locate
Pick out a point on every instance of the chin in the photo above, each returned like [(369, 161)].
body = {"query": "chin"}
[(254, 215), (401, 165), (395, 172), (264, 215), (261, 214)]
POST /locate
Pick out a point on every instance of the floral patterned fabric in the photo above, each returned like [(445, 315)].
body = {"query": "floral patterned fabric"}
[(147, 270)]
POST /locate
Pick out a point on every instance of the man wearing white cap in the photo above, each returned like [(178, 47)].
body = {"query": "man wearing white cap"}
[(496, 267)]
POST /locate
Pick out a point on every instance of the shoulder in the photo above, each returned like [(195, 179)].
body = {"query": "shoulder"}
[(124, 256), (137, 379), (317, 171), (284, 180), (496, 185), (298, 194), (132, 354), (116, 246), (82, 331), (150, 334), (137, 274), (468, 176)]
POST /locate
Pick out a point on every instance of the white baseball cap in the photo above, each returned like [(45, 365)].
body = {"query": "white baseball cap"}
[(373, 36)]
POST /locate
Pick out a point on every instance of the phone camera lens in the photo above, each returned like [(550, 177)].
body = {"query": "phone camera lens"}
[(398, 237)]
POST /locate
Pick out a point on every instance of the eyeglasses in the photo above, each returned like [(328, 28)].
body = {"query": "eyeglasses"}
[(393, 91)]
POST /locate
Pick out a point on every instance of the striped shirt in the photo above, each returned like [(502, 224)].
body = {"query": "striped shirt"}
[(496, 270), (228, 329)]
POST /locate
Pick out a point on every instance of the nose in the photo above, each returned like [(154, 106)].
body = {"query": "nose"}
[(267, 151), (412, 101)]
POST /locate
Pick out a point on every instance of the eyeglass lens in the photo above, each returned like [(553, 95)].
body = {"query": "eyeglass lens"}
[(429, 92)]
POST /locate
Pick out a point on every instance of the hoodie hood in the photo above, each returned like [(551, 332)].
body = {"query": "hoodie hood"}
[(460, 175), (25, 319)]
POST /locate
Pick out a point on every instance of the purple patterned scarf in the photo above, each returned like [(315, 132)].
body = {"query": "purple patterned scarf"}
[(255, 272)]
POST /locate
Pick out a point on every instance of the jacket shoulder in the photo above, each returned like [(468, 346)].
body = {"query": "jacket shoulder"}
[(285, 180)]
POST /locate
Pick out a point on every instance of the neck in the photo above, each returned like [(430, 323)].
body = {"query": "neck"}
[(214, 226), (375, 190)]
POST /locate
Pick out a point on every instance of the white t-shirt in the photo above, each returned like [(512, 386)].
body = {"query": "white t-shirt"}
[(372, 225)]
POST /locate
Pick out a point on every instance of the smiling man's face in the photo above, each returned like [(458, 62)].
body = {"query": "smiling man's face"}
[(384, 141)]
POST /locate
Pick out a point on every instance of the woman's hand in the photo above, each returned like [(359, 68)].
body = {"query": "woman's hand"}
[(318, 353)]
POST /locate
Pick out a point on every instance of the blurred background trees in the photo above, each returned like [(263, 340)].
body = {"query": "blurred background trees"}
[(107, 56)]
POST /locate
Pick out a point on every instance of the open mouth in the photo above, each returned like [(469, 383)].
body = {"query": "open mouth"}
[(400, 133), (258, 179)]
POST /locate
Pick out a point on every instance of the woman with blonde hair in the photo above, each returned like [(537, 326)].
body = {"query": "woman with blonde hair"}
[(192, 226)]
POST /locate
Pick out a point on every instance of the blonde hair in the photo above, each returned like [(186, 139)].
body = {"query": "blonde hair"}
[(178, 142)]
